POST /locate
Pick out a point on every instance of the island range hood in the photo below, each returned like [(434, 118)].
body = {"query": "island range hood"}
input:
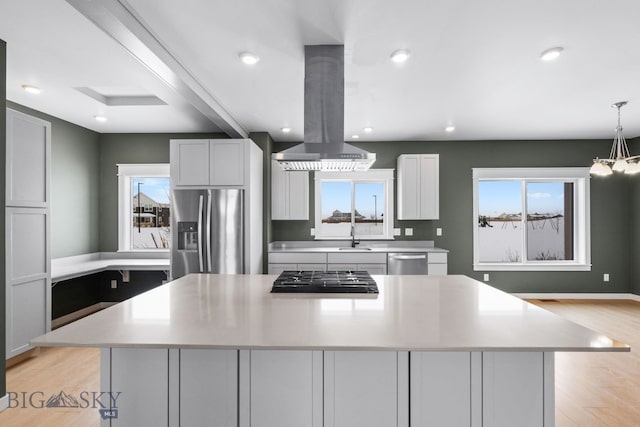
[(324, 148)]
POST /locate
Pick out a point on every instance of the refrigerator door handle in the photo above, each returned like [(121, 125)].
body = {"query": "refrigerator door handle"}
[(200, 214), (209, 248)]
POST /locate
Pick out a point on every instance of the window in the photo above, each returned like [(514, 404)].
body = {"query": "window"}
[(362, 200), (143, 207), (531, 219)]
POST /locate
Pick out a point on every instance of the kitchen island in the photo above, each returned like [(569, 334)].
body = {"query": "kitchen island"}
[(222, 350)]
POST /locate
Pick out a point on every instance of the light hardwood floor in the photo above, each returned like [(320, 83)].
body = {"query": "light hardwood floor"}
[(592, 389)]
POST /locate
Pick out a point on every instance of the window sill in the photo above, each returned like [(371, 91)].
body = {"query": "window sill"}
[(531, 267)]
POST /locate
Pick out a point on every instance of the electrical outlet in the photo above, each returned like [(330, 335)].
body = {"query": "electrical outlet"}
[(397, 232), (408, 231), (438, 231), (313, 232), (114, 284), (486, 277), (606, 277)]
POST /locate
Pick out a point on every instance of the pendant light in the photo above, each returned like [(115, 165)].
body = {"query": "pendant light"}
[(619, 159)]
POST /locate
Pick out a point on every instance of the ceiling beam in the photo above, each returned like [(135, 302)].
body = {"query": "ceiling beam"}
[(120, 21)]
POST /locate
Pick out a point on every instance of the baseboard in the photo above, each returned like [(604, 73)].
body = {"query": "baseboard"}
[(79, 314), (4, 402), (620, 296)]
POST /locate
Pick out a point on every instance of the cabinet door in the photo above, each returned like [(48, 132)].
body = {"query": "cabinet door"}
[(28, 282), (436, 269), (286, 389), (341, 267), (298, 195), (312, 267), (365, 388), (28, 160), (279, 192), (142, 378), (429, 187), (441, 389), (289, 194), (408, 187), (227, 162), (373, 268), (279, 268), (513, 389), (189, 162), (418, 186), (208, 379)]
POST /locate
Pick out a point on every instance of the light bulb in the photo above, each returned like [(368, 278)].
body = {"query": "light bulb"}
[(620, 165)]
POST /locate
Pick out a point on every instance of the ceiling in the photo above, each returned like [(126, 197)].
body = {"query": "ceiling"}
[(474, 65)]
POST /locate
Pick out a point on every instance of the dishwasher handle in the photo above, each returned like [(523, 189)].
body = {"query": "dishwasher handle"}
[(408, 257)]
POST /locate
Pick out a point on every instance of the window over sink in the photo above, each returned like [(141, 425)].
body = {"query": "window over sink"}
[(531, 219), (358, 201)]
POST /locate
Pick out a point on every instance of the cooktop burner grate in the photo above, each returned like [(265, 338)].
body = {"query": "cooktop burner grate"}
[(325, 281)]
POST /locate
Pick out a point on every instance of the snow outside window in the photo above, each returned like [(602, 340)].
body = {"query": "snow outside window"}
[(531, 219), (359, 200), (144, 207)]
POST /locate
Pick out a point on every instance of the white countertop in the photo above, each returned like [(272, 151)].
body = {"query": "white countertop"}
[(82, 265), (344, 246), (433, 313)]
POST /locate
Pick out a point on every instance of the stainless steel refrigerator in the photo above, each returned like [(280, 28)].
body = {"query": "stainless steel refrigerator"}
[(207, 232)]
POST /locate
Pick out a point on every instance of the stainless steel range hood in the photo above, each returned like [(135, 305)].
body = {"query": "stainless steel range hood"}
[(324, 148)]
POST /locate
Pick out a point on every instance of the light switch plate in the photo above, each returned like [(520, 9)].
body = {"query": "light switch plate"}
[(408, 231), (486, 277), (438, 231), (114, 284), (605, 277), (397, 232), (313, 231)]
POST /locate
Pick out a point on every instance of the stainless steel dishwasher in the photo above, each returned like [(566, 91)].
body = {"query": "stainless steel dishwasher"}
[(407, 263)]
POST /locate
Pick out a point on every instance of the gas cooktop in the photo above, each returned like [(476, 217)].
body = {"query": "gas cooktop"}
[(326, 282)]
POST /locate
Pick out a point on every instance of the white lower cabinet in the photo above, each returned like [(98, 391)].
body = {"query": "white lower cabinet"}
[(208, 379), (445, 389), (517, 389), (141, 376), (366, 388), (285, 388), (308, 388)]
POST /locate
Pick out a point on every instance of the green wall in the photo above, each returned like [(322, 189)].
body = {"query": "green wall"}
[(3, 150), (264, 141), (127, 148), (74, 186), (610, 209), (634, 229)]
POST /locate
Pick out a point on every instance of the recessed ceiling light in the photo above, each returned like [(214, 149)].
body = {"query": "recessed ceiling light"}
[(100, 119), (551, 54), (355, 136), (450, 128), (249, 58), (31, 89), (400, 55), (368, 129), (285, 129)]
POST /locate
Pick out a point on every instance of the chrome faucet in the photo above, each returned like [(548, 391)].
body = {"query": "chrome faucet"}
[(353, 237)]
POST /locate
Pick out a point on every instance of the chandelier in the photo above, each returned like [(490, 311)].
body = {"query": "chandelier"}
[(619, 158)]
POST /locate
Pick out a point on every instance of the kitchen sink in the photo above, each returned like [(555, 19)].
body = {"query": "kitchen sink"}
[(354, 249)]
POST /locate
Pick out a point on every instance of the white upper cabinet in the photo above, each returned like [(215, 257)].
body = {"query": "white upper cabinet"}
[(28, 160), (418, 186), (205, 162), (289, 193)]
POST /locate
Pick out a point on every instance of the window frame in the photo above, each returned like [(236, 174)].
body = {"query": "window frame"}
[(372, 175), (126, 173), (580, 177)]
